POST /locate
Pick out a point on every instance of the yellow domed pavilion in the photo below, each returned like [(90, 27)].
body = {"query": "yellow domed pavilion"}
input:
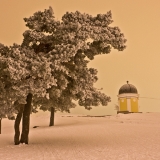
[(128, 99)]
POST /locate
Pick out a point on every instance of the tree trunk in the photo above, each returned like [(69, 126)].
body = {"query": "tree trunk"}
[(26, 120), (52, 116), (16, 126), (0, 124)]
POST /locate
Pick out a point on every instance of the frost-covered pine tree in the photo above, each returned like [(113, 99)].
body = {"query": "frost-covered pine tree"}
[(49, 69), (67, 42), (24, 75)]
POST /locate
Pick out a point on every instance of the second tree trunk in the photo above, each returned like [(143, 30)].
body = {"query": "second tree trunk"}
[(52, 116), (0, 124)]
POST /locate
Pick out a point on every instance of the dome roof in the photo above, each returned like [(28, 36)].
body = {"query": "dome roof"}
[(128, 88)]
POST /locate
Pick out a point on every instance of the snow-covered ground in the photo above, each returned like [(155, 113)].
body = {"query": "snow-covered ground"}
[(117, 137)]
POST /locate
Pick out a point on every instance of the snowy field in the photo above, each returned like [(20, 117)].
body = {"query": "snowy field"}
[(118, 137)]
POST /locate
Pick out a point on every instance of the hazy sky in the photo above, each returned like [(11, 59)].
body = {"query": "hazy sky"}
[(139, 20)]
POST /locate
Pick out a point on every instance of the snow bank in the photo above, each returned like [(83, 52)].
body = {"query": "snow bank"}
[(119, 137)]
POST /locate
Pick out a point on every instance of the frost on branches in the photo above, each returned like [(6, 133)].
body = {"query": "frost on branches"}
[(49, 69)]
